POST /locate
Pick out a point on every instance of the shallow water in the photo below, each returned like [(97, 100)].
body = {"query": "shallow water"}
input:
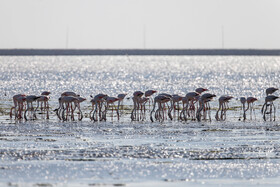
[(124, 153)]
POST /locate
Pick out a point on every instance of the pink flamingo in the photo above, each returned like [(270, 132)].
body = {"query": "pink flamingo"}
[(61, 107), (148, 94), (223, 100), (110, 101), (189, 101), (18, 100), (29, 100), (243, 100), (269, 102), (175, 101), (159, 114), (136, 105), (77, 105), (120, 102), (98, 100), (43, 99), (68, 100), (69, 93), (167, 109), (142, 103), (270, 90), (250, 102), (205, 98), (201, 90)]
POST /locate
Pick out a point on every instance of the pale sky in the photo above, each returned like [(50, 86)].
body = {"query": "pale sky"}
[(113, 24)]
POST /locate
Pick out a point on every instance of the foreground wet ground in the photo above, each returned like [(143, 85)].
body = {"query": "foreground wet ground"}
[(49, 153)]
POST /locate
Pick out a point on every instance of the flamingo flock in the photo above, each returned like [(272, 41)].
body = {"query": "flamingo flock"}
[(194, 106)]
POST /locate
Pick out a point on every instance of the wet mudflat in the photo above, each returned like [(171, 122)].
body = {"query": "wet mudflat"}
[(129, 153), (124, 153)]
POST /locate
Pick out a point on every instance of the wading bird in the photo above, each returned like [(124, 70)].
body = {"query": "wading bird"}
[(29, 100), (269, 102), (18, 100), (250, 102), (159, 114), (242, 108), (205, 98), (223, 107), (270, 90), (189, 101), (120, 103), (136, 105)]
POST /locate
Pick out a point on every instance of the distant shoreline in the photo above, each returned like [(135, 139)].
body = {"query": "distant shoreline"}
[(145, 52)]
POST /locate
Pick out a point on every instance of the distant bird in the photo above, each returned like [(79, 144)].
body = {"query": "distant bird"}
[(205, 98), (148, 94), (159, 114), (243, 101), (98, 100), (250, 102), (269, 102), (142, 103), (120, 103), (18, 100), (136, 105), (46, 93), (188, 100), (270, 90), (110, 101), (29, 100), (201, 90), (43, 99), (175, 101), (223, 107), (68, 100), (77, 105), (69, 93)]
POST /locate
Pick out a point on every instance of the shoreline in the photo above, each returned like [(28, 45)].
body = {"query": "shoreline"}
[(140, 52)]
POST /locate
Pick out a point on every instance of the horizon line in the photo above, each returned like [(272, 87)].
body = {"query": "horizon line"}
[(136, 51)]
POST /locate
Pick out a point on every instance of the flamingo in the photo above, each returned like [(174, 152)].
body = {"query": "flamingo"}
[(120, 102), (148, 94), (18, 101), (159, 114), (207, 97), (98, 100), (69, 93), (270, 90), (68, 100), (43, 99), (110, 101), (201, 90), (142, 103), (46, 93), (243, 100), (136, 105), (29, 100), (188, 100), (223, 100), (175, 100), (250, 102), (77, 105), (269, 99), (166, 103)]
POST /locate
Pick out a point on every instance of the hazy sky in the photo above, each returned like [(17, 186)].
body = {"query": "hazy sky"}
[(140, 24)]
